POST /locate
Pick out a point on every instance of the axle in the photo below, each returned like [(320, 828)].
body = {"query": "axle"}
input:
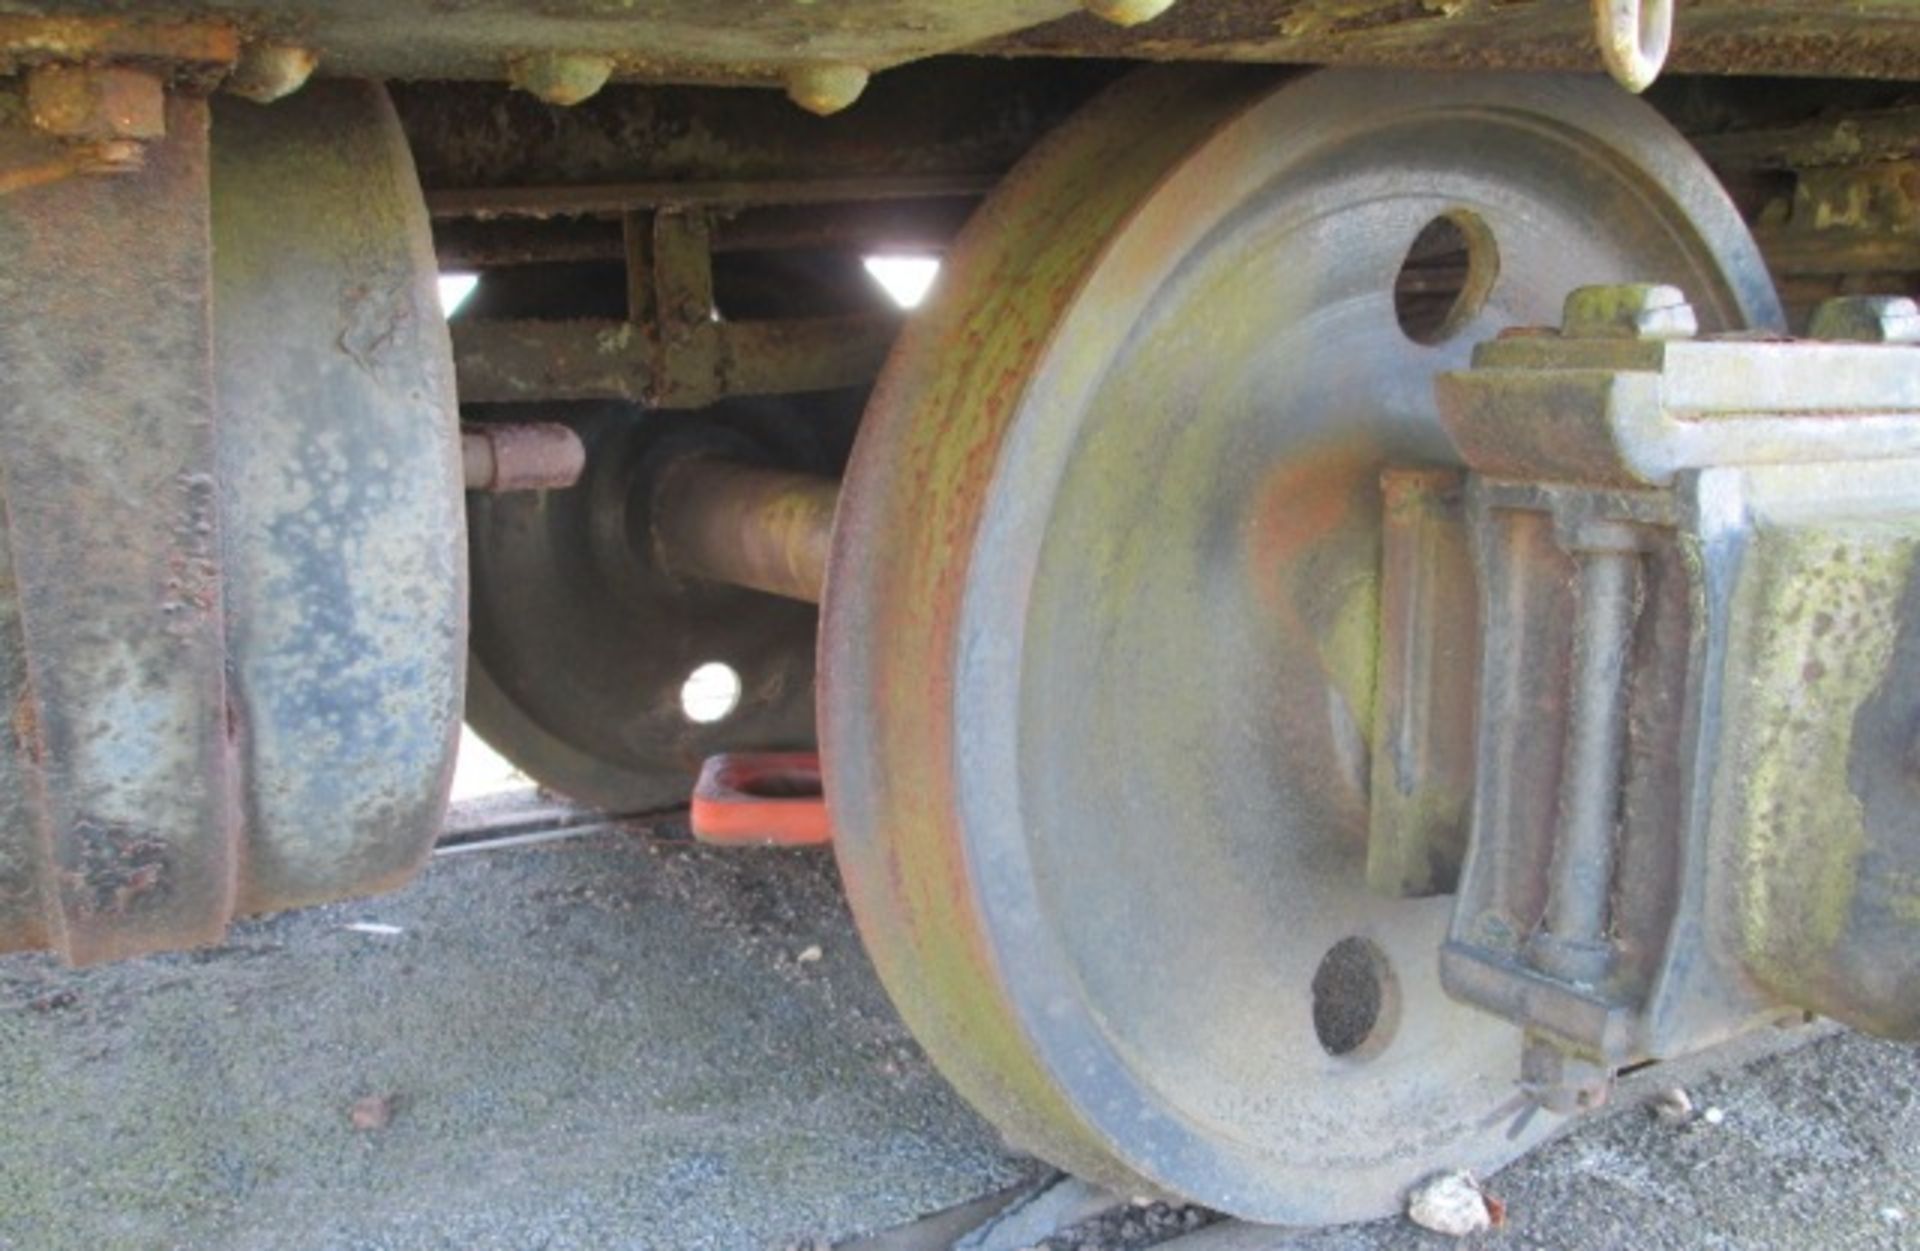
[(767, 529)]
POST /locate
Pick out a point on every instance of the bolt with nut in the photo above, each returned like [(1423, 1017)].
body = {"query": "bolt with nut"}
[(1628, 310), (1866, 319), (107, 113)]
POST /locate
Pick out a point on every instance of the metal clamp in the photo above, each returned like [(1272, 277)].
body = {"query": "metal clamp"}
[(1634, 37)]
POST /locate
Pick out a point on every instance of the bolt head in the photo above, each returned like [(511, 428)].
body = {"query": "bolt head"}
[(826, 89), (1127, 12), (97, 103), (1866, 319), (1640, 310), (562, 78)]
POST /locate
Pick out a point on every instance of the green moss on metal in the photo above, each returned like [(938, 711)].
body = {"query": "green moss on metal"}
[(1819, 610)]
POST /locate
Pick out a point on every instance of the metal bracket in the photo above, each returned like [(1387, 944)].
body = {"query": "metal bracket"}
[(1695, 800), (673, 350)]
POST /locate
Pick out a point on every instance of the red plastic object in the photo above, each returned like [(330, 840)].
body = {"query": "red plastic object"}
[(766, 799)]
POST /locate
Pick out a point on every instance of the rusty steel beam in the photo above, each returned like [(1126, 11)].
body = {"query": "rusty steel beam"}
[(881, 226), (971, 118), (672, 350), (1850, 138), (188, 47), (1870, 39), (748, 42), (767, 529), (520, 361), (730, 41), (577, 200)]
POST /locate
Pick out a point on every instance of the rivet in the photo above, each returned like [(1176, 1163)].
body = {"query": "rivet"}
[(272, 71), (825, 89), (562, 78), (1127, 12)]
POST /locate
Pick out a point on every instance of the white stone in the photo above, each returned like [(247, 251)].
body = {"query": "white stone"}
[(1451, 1204)]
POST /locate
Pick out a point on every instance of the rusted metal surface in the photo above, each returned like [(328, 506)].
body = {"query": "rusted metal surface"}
[(669, 177), (521, 456), (1823, 836), (583, 641), (106, 114), (1107, 565), (914, 226), (723, 41), (92, 103), (826, 88), (767, 529), (674, 350), (954, 119), (183, 45), (1697, 573), (562, 78), (619, 197), (744, 42), (1842, 228), (339, 472), (228, 694), (1878, 38), (925, 453), (927, 225), (270, 71), (108, 418), (1848, 137), (1825, 172), (1423, 721), (519, 361), (766, 799)]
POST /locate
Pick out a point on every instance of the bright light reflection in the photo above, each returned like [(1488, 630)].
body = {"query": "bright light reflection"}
[(710, 693), (454, 290), (907, 279)]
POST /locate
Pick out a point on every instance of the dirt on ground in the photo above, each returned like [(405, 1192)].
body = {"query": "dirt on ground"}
[(625, 1041), (612, 1042)]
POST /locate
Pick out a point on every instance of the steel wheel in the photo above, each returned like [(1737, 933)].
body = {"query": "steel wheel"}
[(582, 642), (1097, 657)]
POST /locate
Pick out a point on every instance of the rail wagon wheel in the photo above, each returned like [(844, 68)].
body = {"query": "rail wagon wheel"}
[(1098, 639), (232, 612), (583, 640)]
